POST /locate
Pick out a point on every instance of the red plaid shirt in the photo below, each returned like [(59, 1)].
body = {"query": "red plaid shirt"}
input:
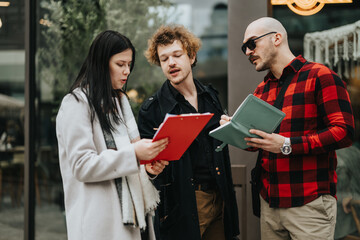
[(318, 120)]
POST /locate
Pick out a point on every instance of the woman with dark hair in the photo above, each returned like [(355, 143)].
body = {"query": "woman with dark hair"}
[(108, 195)]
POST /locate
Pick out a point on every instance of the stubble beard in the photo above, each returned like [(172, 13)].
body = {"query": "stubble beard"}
[(262, 67), (266, 64), (178, 82)]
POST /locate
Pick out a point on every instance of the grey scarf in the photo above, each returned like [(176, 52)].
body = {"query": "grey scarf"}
[(137, 195)]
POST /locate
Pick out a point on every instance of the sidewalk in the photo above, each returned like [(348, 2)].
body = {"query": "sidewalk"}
[(49, 223)]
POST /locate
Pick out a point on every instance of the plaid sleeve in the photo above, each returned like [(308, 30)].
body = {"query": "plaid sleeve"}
[(335, 116)]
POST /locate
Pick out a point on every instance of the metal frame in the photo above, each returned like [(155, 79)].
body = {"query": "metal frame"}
[(30, 120), (239, 180)]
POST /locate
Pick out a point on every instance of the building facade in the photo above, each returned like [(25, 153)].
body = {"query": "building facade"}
[(43, 43)]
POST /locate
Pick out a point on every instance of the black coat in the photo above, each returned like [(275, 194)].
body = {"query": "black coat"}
[(176, 216)]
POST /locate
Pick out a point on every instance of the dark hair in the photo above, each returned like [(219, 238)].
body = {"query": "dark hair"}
[(94, 77)]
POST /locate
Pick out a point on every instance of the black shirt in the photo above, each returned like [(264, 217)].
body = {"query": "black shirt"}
[(201, 149)]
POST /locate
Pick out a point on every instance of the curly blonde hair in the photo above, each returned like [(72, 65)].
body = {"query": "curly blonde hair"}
[(167, 35)]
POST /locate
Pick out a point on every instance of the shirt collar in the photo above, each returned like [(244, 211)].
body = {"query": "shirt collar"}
[(168, 96), (177, 95), (174, 92), (294, 66)]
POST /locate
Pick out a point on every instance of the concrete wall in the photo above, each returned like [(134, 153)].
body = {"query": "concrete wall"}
[(242, 80)]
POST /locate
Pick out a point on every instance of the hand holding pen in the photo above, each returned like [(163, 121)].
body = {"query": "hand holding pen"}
[(224, 118)]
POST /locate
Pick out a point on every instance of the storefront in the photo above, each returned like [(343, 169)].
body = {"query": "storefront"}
[(243, 79), (43, 43)]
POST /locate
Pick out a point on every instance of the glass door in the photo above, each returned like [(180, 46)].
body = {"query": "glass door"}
[(12, 77)]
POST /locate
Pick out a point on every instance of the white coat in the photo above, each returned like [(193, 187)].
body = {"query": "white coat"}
[(88, 171)]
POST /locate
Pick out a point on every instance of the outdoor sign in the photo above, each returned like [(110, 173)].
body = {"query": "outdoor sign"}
[(306, 7)]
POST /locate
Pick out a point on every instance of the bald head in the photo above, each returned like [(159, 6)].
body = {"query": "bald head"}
[(269, 48), (264, 25)]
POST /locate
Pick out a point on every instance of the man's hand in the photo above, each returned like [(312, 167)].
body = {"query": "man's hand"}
[(269, 142), (224, 119), (156, 167)]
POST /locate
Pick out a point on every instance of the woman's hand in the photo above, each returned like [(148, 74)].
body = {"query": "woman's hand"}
[(224, 119), (156, 167), (145, 149)]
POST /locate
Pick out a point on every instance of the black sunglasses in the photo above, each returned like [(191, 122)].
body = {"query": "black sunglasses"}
[(251, 43)]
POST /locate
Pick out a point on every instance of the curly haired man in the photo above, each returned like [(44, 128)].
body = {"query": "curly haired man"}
[(197, 193)]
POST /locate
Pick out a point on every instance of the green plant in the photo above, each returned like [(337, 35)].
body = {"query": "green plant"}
[(68, 28)]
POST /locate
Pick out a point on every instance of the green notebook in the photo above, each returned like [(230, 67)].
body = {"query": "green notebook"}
[(253, 113)]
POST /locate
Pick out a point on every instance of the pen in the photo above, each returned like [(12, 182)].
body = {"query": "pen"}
[(220, 147)]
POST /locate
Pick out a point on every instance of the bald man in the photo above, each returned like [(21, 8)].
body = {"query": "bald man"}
[(298, 162)]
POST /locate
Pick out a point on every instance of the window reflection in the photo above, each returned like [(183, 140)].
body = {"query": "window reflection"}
[(11, 163), (348, 191), (12, 75), (212, 57)]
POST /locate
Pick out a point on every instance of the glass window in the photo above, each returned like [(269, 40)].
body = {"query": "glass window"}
[(212, 57), (12, 77)]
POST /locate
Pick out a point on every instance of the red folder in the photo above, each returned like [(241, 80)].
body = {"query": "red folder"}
[(181, 130)]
